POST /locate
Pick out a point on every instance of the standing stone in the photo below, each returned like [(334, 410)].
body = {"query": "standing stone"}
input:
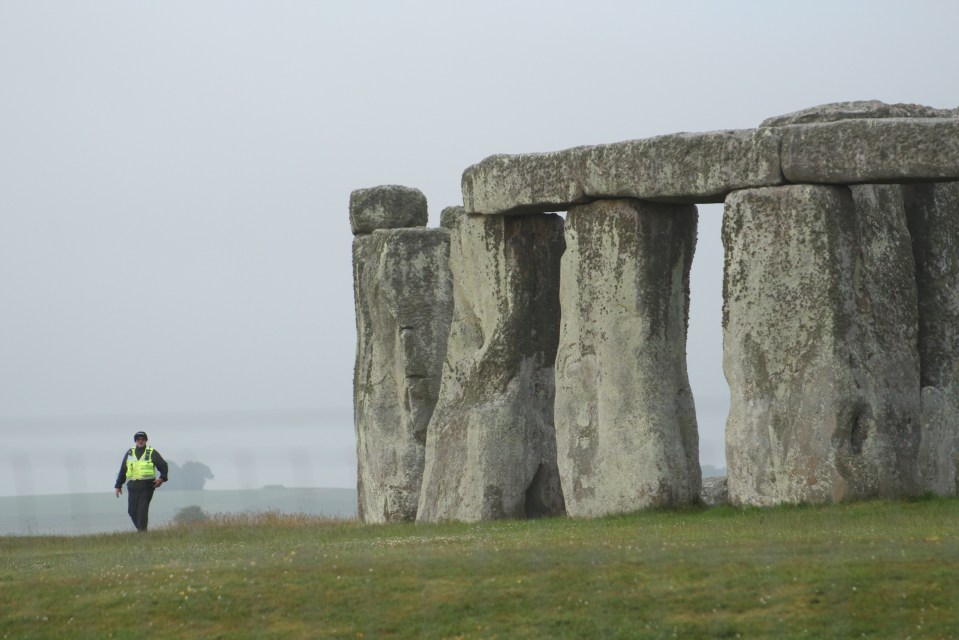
[(714, 492), (887, 311), (933, 212), (403, 296), (491, 444), (625, 420), (818, 352)]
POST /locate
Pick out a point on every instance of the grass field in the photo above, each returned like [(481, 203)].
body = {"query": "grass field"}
[(874, 569), (86, 513)]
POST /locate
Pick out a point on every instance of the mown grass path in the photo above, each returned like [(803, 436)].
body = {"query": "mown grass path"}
[(875, 569)]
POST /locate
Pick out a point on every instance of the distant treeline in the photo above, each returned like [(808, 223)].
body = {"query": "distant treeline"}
[(190, 477)]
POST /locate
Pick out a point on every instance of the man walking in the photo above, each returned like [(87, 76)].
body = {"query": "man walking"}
[(139, 470)]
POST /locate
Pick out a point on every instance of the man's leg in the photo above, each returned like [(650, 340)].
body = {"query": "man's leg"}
[(132, 505), (143, 509)]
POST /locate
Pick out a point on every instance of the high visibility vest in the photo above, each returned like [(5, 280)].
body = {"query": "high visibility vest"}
[(143, 468)]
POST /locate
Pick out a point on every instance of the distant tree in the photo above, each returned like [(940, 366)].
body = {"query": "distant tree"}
[(709, 471), (190, 515), (190, 477)]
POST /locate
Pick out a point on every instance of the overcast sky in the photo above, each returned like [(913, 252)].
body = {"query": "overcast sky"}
[(175, 179)]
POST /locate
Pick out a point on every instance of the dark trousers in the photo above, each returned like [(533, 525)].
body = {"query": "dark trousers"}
[(139, 495)]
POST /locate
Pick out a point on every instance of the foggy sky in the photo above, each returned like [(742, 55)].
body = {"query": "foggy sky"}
[(175, 179)]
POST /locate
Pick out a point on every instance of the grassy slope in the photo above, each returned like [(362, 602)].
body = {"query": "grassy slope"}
[(879, 569)]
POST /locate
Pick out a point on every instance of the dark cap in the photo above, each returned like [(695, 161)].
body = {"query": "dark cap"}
[(140, 433)]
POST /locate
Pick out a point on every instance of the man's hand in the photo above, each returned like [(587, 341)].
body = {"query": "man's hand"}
[(157, 483), (119, 491)]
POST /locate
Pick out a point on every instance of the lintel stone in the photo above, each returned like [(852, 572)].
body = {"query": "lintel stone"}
[(525, 183), (388, 206), (680, 168), (855, 110), (684, 168), (841, 143), (873, 150)]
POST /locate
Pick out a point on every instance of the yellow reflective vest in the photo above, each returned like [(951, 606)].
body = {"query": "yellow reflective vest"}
[(143, 468)]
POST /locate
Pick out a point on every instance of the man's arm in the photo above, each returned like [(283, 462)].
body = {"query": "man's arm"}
[(162, 467), (121, 476)]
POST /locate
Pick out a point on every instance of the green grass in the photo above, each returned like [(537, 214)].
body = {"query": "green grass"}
[(874, 569)]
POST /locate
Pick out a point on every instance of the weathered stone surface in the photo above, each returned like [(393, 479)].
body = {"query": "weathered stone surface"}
[(525, 183), (625, 420), (933, 213), (840, 143), (715, 492), (878, 150), (854, 110), (491, 444), (819, 324), (887, 313), (683, 168), (404, 302), (450, 215), (387, 207), (939, 449), (933, 219)]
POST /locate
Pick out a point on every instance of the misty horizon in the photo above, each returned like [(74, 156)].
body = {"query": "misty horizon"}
[(175, 246)]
